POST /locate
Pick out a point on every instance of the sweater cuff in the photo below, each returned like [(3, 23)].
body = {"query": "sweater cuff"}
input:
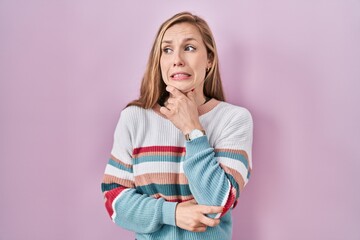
[(168, 213), (197, 145)]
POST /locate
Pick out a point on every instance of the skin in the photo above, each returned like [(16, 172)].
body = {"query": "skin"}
[(184, 52), (183, 64)]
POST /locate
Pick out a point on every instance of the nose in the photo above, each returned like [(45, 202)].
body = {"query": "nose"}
[(178, 60)]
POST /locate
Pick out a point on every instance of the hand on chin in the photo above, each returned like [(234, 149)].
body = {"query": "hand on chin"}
[(183, 89)]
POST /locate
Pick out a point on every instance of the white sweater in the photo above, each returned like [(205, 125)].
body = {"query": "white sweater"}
[(152, 168)]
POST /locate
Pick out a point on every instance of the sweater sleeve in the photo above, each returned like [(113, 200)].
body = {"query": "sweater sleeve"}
[(127, 208), (218, 174)]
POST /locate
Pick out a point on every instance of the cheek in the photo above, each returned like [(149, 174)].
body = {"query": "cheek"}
[(201, 63), (201, 68)]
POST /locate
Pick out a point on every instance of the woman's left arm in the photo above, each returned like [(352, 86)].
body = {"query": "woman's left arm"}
[(218, 174)]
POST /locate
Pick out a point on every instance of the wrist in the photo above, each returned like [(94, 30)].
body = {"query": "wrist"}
[(188, 129), (194, 134)]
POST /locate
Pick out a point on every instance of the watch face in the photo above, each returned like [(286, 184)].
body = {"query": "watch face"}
[(195, 134)]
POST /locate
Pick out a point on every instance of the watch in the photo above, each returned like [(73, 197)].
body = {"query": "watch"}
[(194, 134)]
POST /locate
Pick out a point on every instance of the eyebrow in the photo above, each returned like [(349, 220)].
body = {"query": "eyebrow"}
[(185, 40)]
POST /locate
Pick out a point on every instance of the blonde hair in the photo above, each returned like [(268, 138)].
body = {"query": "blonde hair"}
[(152, 89)]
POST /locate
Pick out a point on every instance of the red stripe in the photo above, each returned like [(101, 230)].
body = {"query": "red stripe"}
[(176, 200), (159, 149), (230, 201), (110, 196)]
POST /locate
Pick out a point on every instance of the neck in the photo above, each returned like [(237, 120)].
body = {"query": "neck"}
[(199, 99)]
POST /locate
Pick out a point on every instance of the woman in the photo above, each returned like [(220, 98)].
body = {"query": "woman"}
[(181, 155)]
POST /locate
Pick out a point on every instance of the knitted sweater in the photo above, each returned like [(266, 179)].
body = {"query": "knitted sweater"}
[(152, 168)]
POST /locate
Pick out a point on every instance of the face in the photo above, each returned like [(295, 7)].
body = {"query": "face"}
[(184, 58)]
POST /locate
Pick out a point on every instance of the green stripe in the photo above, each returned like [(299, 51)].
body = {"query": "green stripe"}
[(235, 156), (119, 166), (158, 158), (109, 186), (165, 189)]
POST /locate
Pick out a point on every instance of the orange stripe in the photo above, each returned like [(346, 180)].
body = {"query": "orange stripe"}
[(161, 178), (237, 151), (123, 182), (112, 157), (238, 178)]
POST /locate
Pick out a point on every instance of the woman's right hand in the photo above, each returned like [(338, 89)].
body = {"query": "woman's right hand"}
[(191, 216)]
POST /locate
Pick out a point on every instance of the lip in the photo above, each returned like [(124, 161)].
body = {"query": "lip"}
[(180, 76)]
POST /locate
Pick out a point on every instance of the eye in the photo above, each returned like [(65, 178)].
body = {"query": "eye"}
[(167, 50), (190, 48)]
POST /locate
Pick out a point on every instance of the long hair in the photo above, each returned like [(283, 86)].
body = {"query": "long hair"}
[(153, 90)]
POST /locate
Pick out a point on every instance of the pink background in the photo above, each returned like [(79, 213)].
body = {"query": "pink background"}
[(67, 68)]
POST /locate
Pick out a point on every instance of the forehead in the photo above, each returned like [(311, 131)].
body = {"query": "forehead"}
[(182, 31)]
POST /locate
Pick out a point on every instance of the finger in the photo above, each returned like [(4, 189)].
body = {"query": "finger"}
[(171, 100), (199, 229), (169, 105), (210, 209), (209, 221), (175, 92), (165, 111), (193, 200)]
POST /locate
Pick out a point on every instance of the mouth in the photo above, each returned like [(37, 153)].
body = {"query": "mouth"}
[(180, 76)]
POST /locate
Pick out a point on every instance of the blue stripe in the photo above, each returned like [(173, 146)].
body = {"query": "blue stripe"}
[(158, 158), (165, 189), (119, 166), (109, 186), (235, 156)]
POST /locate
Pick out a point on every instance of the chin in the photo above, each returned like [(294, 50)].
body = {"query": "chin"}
[(183, 88), (186, 89)]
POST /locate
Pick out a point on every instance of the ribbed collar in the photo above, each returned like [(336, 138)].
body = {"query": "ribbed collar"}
[(202, 109)]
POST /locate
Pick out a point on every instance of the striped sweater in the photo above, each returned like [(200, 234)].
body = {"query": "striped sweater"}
[(152, 168)]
